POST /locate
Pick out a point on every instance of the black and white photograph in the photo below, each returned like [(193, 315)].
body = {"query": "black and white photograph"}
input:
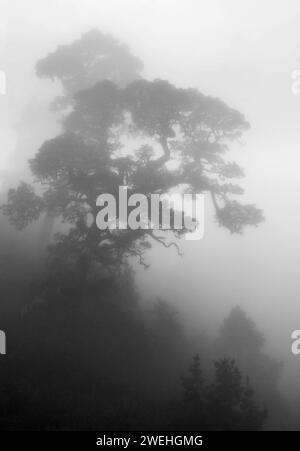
[(149, 221)]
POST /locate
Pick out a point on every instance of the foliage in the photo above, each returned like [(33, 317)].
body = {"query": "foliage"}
[(99, 364), (240, 338), (178, 139), (81, 64)]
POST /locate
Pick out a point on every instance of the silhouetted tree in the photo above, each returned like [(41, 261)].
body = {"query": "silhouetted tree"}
[(239, 335), (194, 397), (117, 129), (225, 404), (193, 383), (93, 58), (231, 403), (240, 339), (92, 157)]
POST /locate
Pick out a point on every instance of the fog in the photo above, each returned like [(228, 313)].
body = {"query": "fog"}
[(241, 52)]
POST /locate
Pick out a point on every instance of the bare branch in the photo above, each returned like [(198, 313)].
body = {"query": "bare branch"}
[(161, 240)]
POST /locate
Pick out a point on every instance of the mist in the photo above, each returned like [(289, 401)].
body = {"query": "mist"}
[(243, 53)]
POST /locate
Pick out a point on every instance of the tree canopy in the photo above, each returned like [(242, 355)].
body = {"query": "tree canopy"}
[(228, 403), (148, 135), (80, 65)]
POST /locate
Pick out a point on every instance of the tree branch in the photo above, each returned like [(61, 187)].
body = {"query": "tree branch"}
[(161, 240)]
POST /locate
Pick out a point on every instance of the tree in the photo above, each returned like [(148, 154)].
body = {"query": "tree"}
[(169, 347), (80, 65), (94, 57), (225, 404), (239, 335), (194, 409), (178, 141), (240, 339), (193, 384), (231, 403)]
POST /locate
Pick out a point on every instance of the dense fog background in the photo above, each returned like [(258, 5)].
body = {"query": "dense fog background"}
[(244, 53)]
